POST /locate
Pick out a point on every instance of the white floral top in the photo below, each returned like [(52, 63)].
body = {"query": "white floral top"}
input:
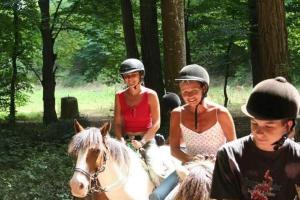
[(205, 143)]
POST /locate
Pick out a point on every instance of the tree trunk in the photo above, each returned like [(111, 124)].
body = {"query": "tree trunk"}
[(12, 105), (227, 68), (128, 27), (174, 40), (69, 108), (48, 70), (187, 42), (268, 40), (150, 46)]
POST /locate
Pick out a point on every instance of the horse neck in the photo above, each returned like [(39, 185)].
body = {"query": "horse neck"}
[(112, 172), (125, 176)]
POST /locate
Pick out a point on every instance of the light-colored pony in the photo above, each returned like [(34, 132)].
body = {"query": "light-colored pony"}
[(196, 179), (105, 165)]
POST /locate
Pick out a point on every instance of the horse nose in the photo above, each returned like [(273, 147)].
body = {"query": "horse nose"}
[(79, 186)]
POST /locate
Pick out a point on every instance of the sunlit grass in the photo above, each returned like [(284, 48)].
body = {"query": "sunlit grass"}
[(92, 100), (237, 96), (98, 101)]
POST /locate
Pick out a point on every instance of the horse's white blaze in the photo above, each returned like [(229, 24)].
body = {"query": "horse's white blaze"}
[(79, 182)]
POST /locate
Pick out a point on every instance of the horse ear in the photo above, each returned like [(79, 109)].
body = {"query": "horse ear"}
[(78, 128), (105, 128)]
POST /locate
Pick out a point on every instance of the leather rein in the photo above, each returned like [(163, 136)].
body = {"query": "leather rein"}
[(94, 183)]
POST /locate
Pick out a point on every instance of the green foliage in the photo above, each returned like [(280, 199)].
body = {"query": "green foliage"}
[(99, 47), (293, 27), (31, 167), (26, 12), (213, 27)]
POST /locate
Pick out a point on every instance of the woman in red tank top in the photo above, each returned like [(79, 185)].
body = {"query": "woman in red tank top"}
[(137, 111)]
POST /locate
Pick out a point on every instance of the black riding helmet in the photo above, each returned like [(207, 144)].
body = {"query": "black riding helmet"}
[(171, 100), (195, 72), (274, 99), (132, 65)]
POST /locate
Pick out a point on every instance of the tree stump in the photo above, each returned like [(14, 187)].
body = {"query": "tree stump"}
[(69, 108)]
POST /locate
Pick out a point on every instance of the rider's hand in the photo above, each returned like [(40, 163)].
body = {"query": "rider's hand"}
[(136, 144)]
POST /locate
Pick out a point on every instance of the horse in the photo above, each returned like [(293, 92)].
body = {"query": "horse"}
[(196, 179), (107, 166)]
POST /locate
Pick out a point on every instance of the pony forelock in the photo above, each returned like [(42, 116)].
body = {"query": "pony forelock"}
[(91, 138)]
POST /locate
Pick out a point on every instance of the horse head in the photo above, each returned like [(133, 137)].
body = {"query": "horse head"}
[(90, 148), (106, 166)]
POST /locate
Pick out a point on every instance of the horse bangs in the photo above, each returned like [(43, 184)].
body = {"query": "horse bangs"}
[(89, 138)]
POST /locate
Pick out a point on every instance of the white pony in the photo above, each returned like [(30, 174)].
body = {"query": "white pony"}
[(105, 165)]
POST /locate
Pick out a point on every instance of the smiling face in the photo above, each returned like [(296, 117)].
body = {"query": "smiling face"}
[(132, 79), (191, 92), (266, 132)]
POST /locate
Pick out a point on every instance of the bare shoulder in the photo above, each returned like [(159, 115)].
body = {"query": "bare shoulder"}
[(221, 110), (120, 92), (176, 112), (177, 109), (150, 92)]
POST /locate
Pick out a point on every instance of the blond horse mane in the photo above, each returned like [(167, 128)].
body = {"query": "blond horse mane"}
[(197, 184)]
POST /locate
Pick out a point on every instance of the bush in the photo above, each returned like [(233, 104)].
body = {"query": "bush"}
[(32, 167)]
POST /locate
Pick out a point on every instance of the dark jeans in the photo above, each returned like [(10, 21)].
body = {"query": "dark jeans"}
[(162, 191)]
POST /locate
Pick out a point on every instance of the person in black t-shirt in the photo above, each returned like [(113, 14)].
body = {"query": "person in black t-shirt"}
[(266, 164)]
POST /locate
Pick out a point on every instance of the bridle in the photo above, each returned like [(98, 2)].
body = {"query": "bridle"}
[(94, 184)]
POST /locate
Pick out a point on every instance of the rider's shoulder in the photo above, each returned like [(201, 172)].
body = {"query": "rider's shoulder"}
[(149, 91), (177, 109), (219, 108), (120, 92)]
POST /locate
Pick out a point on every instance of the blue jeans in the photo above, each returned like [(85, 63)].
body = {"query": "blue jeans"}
[(165, 187)]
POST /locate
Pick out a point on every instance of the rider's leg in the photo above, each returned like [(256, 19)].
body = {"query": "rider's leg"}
[(154, 162), (162, 191)]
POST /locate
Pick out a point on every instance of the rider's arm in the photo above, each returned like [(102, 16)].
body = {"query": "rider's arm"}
[(175, 137), (155, 114), (226, 122), (118, 120)]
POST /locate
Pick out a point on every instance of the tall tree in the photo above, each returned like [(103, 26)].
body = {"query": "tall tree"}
[(186, 22), (268, 39), (173, 40), (14, 56), (128, 27), (49, 32), (48, 70), (150, 46)]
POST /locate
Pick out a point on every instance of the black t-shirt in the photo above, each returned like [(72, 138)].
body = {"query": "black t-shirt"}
[(242, 171)]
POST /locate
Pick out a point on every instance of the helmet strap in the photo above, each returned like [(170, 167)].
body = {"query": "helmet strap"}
[(196, 113), (280, 142), (196, 109)]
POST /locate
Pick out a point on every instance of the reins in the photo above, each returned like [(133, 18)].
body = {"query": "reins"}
[(95, 185)]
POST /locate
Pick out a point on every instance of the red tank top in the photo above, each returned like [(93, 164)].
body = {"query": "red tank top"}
[(136, 118)]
